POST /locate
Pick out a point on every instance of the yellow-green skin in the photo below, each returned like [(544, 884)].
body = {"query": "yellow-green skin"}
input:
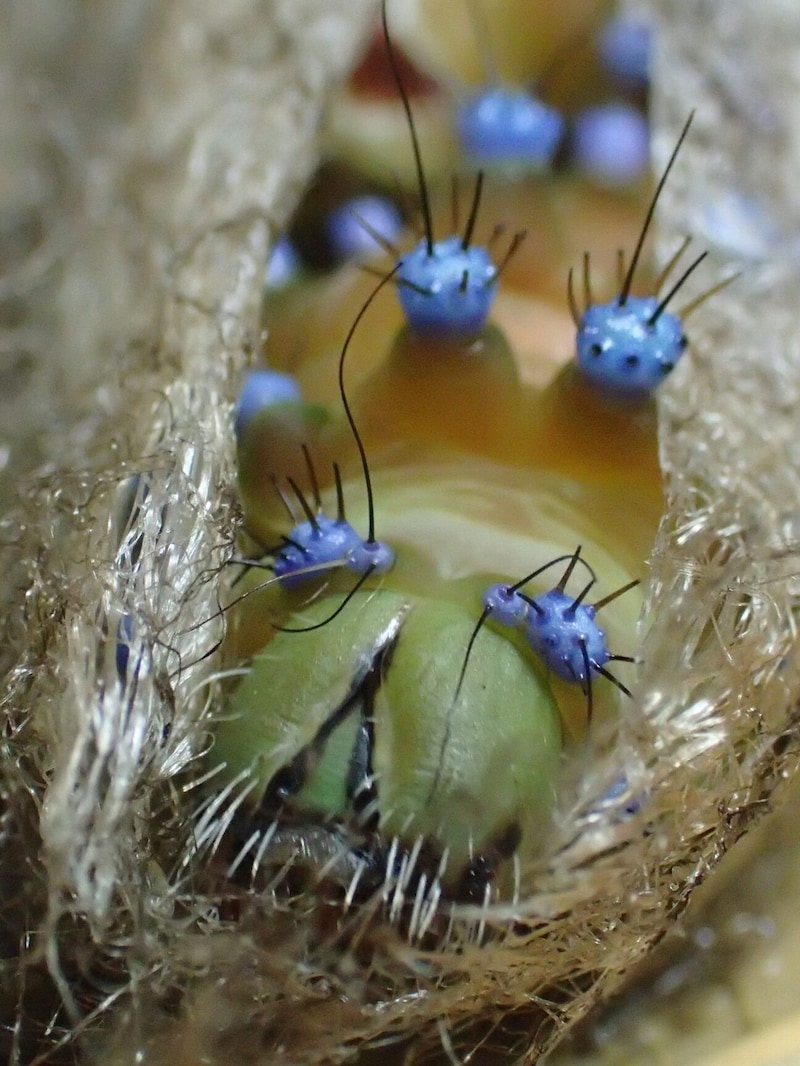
[(456, 773)]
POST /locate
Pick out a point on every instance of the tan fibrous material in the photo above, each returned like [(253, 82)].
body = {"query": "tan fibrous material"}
[(183, 184)]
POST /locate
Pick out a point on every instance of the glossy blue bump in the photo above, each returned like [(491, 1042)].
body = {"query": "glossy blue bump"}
[(326, 540), (620, 350), (611, 144), (625, 47), (349, 239), (283, 266), (556, 630), (263, 388), (508, 128), (448, 292), (374, 555), (507, 607)]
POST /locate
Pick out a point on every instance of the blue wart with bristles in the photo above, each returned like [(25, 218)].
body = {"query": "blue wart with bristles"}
[(564, 634), (445, 287), (630, 344), (560, 629), (629, 347), (312, 544), (502, 126), (448, 289), (321, 541)]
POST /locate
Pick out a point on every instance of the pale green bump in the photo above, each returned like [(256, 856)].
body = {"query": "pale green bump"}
[(503, 737)]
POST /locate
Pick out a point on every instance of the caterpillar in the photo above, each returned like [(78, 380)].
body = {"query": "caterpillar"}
[(381, 713)]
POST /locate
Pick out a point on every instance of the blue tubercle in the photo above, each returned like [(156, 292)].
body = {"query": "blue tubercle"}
[(321, 542), (559, 628), (447, 290), (622, 349), (625, 46), (611, 144), (350, 227), (503, 127), (311, 544), (283, 266), (327, 541), (566, 637), (445, 287), (506, 605), (626, 347), (374, 557), (263, 388)]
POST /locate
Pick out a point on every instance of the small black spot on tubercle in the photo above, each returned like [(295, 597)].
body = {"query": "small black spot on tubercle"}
[(631, 360), (596, 350)]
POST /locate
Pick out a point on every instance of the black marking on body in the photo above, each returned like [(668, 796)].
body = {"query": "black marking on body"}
[(361, 788), (480, 871), (360, 698)]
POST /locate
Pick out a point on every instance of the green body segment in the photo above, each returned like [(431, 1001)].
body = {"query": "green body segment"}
[(463, 771), (456, 773)]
